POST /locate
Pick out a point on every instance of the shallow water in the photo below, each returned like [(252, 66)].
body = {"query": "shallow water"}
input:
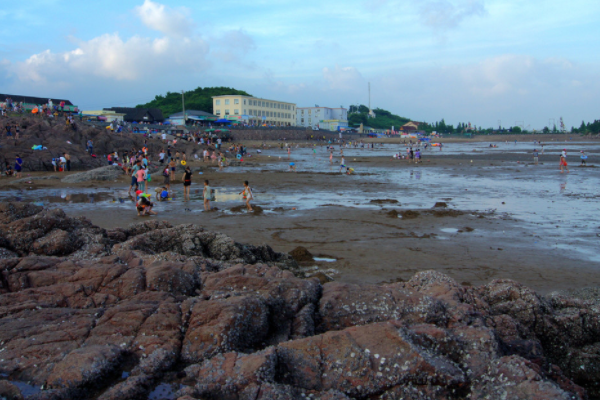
[(558, 211)]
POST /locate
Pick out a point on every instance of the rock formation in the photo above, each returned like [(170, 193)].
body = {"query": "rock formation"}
[(58, 139), (87, 313)]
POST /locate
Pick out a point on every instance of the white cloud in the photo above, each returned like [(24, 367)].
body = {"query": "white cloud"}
[(161, 18), (507, 87), (110, 56), (232, 45), (342, 78), (442, 15)]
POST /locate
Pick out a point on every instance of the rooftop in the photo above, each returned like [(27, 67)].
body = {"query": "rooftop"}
[(32, 99)]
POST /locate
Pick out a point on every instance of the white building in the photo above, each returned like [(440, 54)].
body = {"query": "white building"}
[(322, 117), (254, 110)]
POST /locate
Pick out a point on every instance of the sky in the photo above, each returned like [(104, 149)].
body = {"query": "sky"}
[(489, 62)]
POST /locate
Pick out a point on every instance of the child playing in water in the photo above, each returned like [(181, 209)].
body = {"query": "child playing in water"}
[(563, 163), (583, 159), (247, 195), (206, 194), (292, 167)]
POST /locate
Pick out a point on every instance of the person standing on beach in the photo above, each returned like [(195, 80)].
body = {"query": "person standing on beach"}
[(187, 182), (535, 156), (206, 195), (172, 167), (247, 195), (141, 178), (583, 159), (18, 166), (68, 158), (563, 162), (134, 181), (167, 177), (342, 164), (63, 163)]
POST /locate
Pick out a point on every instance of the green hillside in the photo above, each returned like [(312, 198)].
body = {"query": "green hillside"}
[(383, 120), (197, 99)]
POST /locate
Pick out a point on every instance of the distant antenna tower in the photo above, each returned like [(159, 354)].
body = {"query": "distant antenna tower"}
[(369, 99), (371, 113), (562, 125)]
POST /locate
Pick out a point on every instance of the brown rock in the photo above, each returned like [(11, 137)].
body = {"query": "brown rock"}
[(85, 366), (8, 391), (225, 375), (223, 325), (363, 361), (301, 254)]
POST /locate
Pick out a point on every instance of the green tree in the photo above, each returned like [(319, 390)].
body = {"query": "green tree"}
[(516, 129), (197, 99), (546, 130)]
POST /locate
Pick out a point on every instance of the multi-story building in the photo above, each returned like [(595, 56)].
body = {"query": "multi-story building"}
[(254, 110), (322, 117)]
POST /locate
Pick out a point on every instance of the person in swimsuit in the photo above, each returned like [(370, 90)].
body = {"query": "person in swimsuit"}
[(247, 195), (563, 164), (172, 166), (187, 182), (206, 194)]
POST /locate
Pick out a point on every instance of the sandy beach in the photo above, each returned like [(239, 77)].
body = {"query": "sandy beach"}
[(504, 217)]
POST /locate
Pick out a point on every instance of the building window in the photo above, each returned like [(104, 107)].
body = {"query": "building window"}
[(218, 102), (236, 101), (309, 112), (244, 101), (263, 104), (226, 111), (302, 121), (218, 112), (226, 102), (245, 111), (236, 111)]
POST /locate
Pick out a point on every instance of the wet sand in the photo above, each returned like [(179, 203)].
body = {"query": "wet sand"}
[(494, 229)]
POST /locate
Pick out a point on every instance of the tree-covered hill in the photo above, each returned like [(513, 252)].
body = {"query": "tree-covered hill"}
[(197, 99), (383, 120)]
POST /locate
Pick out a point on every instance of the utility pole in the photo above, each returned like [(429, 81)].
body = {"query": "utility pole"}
[(369, 100), (183, 106)]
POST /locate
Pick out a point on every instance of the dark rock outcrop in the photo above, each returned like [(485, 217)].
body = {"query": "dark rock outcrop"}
[(87, 313)]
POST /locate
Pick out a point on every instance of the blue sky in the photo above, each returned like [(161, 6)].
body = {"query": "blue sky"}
[(480, 61)]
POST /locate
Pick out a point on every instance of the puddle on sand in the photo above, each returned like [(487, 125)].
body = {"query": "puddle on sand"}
[(449, 230), (324, 259)]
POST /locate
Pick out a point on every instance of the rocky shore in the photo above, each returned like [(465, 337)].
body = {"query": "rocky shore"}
[(89, 313)]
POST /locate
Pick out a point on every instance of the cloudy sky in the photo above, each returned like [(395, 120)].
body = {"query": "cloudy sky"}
[(484, 61)]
